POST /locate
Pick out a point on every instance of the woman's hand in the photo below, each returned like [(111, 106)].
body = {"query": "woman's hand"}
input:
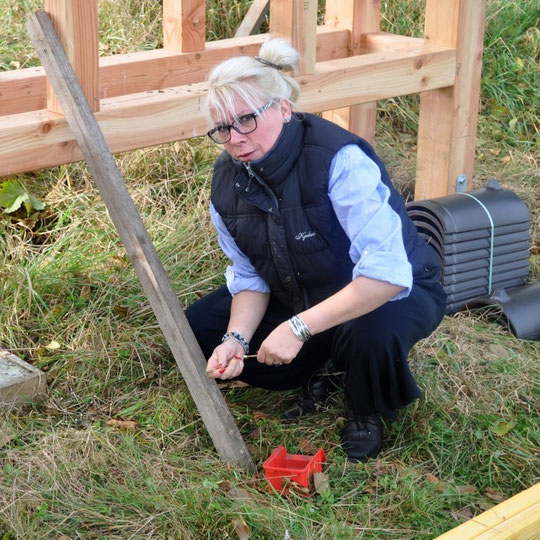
[(280, 347), (227, 361)]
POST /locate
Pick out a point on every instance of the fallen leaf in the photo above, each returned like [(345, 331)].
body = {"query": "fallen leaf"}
[(466, 488), (239, 494), (495, 495), (486, 505), (121, 311), (321, 482), (241, 529), (86, 291), (370, 489), (501, 427), (53, 346), (257, 415), (128, 425), (438, 485), (463, 514), (228, 385), (298, 489), (379, 469), (224, 485), (432, 479), (306, 446), (505, 159)]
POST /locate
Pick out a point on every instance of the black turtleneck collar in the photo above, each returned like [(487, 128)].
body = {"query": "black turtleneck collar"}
[(276, 164)]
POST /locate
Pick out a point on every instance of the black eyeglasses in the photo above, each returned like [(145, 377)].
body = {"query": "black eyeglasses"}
[(247, 123)]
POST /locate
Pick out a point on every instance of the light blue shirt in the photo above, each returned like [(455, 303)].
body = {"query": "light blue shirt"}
[(360, 201)]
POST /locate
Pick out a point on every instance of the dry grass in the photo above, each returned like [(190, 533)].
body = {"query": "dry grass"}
[(67, 471)]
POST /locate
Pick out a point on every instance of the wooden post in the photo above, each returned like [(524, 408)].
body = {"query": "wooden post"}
[(254, 18), (359, 17), (76, 23), (184, 25), (154, 280), (296, 20), (448, 116)]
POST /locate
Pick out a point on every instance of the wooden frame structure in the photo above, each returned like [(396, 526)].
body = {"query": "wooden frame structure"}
[(154, 97)]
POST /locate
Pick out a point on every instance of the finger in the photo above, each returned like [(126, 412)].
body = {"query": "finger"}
[(235, 367)]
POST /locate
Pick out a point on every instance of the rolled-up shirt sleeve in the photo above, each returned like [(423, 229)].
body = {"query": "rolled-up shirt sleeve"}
[(240, 275), (360, 201)]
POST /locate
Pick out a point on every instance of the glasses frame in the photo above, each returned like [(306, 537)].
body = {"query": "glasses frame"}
[(253, 115)]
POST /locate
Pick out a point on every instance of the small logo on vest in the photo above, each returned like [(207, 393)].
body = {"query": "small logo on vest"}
[(303, 235)]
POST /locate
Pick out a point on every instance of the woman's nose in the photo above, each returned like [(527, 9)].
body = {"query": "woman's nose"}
[(236, 137)]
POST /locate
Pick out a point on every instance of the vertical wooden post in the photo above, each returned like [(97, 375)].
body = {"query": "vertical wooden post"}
[(448, 116), (359, 17), (76, 23), (296, 20), (184, 25)]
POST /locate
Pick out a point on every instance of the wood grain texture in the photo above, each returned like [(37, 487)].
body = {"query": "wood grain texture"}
[(139, 247), (448, 116), (359, 17), (254, 18), (24, 90), (76, 23), (40, 139), (184, 25), (296, 20), (517, 518)]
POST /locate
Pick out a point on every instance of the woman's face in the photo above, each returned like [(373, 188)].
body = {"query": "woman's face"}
[(254, 145)]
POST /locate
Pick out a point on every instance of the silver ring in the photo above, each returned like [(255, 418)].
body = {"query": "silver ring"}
[(277, 364)]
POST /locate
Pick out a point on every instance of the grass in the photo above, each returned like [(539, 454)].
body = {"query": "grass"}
[(67, 471)]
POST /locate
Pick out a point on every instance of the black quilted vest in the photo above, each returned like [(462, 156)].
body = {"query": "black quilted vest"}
[(278, 211)]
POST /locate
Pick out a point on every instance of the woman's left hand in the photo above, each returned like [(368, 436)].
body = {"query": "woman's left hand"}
[(280, 347)]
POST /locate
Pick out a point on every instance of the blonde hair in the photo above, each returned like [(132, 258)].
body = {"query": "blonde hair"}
[(252, 80)]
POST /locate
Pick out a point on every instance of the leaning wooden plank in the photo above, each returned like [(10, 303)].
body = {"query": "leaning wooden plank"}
[(23, 90), (40, 139), (254, 18), (154, 280), (518, 518)]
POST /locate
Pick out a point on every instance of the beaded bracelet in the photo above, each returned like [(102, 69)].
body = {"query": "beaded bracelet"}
[(299, 328), (238, 338)]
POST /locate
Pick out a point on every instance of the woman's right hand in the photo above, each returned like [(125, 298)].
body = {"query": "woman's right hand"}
[(227, 361)]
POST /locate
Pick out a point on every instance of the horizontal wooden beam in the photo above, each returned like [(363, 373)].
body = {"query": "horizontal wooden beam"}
[(517, 518), (24, 90), (41, 139), (385, 41)]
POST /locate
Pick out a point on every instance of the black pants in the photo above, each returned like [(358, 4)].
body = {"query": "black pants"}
[(372, 350)]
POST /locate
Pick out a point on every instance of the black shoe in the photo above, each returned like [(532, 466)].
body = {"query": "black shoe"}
[(310, 400), (362, 437)]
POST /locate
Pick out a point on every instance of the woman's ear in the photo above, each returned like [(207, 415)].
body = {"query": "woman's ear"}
[(286, 109)]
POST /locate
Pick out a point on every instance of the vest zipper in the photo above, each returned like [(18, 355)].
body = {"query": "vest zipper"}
[(252, 175)]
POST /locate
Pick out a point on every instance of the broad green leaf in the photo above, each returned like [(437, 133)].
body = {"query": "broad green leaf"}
[(9, 192), (501, 427), (16, 204), (36, 204), (13, 195)]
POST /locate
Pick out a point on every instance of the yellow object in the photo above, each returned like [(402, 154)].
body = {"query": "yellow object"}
[(518, 518)]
